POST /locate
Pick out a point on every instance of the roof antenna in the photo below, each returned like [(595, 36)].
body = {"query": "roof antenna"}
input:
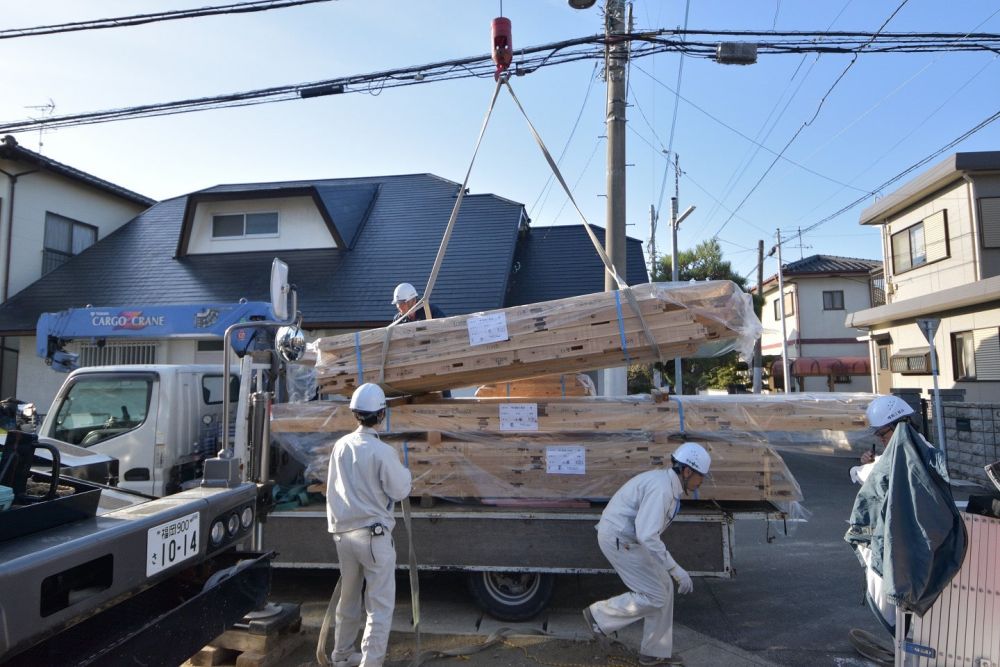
[(46, 109)]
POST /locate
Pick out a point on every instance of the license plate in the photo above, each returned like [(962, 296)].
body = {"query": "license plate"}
[(172, 542)]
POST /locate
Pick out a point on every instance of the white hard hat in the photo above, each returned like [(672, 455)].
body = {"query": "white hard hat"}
[(403, 292), (693, 456), (886, 410), (368, 398)]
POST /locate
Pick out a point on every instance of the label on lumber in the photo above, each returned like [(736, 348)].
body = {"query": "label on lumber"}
[(489, 328), (519, 417), (566, 460)]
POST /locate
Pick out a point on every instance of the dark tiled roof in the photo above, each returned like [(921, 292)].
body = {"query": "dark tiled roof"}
[(560, 261), (830, 264), (11, 150), (399, 240)]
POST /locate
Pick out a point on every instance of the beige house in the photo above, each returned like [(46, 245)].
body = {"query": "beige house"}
[(49, 212), (941, 243), (824, 354)]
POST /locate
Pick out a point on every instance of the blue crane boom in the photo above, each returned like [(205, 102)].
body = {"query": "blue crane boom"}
[(54, 330)]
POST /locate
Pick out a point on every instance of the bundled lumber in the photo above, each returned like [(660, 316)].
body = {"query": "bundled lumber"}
[(547, 386), (760, 417), (562, 466), (563, 336)]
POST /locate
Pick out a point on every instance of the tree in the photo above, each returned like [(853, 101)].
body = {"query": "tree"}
[(705, 262)]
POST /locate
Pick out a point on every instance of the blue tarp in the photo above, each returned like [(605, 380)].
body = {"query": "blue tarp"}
[(906, 514)]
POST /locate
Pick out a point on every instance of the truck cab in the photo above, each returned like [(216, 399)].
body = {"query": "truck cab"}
[(160, 422)]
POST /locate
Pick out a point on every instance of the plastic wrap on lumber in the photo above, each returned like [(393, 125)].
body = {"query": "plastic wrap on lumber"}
[(547, 386), (556, 466), (563, 336), (824, 423)]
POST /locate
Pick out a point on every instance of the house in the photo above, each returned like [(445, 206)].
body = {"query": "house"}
[(49, 212), (941, 234), (824, 354), (347, 242)]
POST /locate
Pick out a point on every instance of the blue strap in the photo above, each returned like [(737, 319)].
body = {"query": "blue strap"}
[(406, 454), (621, 325), (680, 412), (357, 351), (562, 385)]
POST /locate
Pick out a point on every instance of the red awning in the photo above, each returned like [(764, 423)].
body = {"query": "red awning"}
[(823, 366)]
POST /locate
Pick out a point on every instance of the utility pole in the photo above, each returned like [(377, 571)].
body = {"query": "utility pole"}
[(757, 356), (616, 56), (652, 242), (784, 334)]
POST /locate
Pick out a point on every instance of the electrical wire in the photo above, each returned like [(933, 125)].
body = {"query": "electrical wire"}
[(142, 19), (813, 118), (532, 59)]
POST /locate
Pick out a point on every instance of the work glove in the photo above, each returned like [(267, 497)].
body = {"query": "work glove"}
[(683, 579)]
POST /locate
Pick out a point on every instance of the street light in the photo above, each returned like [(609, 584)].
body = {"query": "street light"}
[(581, 4), (675, 222)]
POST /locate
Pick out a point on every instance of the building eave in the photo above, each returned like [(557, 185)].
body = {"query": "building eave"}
[(955, 298)]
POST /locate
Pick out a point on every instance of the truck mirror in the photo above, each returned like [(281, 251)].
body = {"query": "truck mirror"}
[(290, 343), (279, 289)]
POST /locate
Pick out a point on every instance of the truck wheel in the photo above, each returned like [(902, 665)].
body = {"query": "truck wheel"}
[(512, 596)]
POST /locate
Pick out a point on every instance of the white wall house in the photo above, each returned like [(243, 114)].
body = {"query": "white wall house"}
[(941, 240), (49, 212), (824, 353)]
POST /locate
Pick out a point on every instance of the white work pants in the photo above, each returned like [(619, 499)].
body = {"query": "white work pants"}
[(369, 560), (650, 596)]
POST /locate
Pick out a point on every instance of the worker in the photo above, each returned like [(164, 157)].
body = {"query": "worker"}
[(404, 297), (365, 479), (884, 414), (629, 537)]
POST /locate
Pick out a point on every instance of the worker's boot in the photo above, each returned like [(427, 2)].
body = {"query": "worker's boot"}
[(352, 660)]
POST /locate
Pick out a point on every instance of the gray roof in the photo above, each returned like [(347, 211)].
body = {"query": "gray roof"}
[(823, 265), (560, 261), (11, 150), (830, 264), (927, 183), (397, 241)]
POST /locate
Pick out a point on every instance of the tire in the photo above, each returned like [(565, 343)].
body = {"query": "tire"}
[(512, 596)]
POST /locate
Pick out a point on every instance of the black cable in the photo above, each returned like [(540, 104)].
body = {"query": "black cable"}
[(810, 121), (141, 19), (532, 59)]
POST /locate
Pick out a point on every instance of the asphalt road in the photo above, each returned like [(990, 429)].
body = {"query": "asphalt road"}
[(792, 601)]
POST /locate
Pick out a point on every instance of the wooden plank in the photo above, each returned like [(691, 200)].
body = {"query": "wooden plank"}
[(566, 335)]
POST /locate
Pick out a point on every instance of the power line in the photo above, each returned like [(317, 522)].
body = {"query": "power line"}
[(531, 59), (141, 19), (810, 121)]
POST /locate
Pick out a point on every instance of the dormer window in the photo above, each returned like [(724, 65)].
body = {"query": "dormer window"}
[(244, 225)]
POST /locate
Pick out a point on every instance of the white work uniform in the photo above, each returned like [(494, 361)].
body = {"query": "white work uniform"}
[(365, 479), (629, 537)]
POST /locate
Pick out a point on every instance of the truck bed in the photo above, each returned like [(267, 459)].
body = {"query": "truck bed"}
[(470, 537)]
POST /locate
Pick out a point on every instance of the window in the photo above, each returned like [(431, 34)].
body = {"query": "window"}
[(963, 351), (842, 379), (989, 221), (914, 361), (976, 354), (211, 389), (833, 300), (101, 406), (919, 244), (883, 358), (239, 225), (64, 237), (789, 306), (117, 354)]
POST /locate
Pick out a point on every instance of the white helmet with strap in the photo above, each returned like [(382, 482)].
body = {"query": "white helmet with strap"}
[(886, 410), (403, 292), (693, 456)]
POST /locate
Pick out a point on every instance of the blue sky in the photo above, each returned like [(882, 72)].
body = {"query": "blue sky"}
[(887, 112)]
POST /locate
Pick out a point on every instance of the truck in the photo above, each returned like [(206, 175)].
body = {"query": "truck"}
[(143, 558), (511, 555)]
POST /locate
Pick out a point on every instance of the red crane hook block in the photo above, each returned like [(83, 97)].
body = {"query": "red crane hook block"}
[(503, 46)]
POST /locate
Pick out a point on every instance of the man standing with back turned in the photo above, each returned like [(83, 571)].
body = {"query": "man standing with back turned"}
[(629, 537), (364, 482)]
